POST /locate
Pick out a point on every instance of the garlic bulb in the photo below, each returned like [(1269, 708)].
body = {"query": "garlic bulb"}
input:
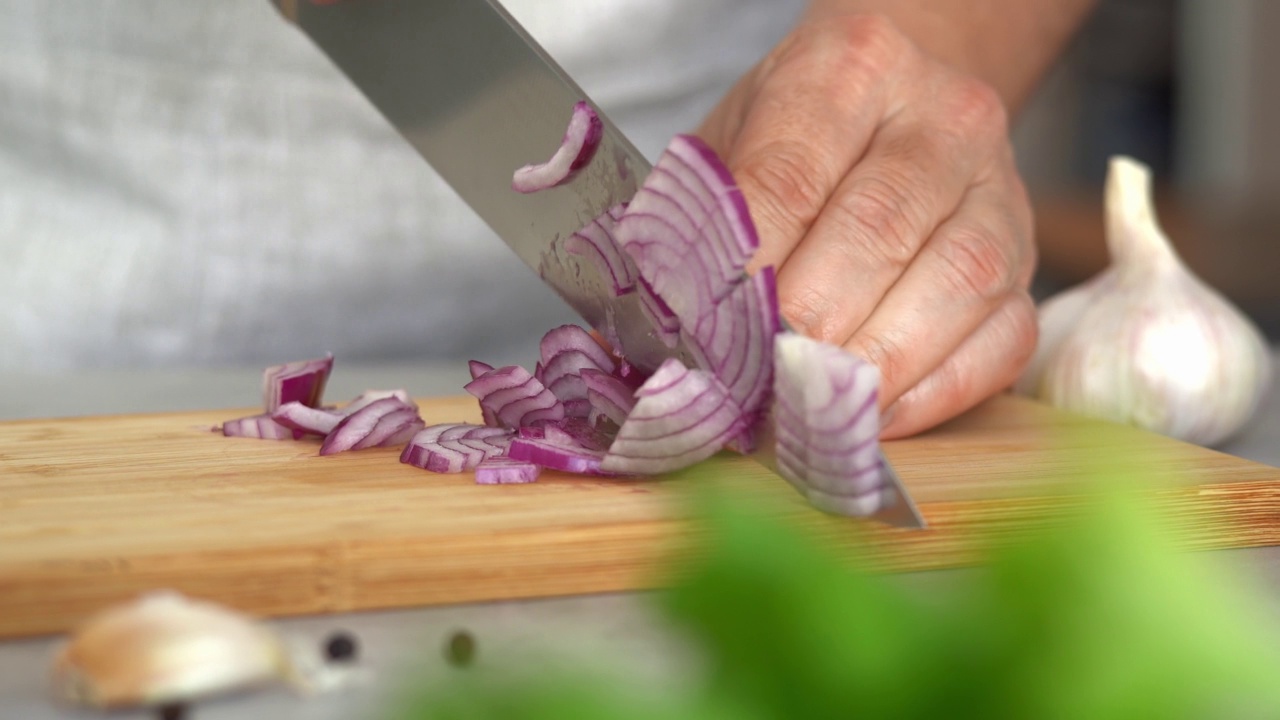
[(1146, 342), (164, 648)]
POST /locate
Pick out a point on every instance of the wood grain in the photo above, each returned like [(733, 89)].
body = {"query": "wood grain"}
[(94, 510)]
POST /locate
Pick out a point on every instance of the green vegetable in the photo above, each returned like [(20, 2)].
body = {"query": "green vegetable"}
[(1095, 616)]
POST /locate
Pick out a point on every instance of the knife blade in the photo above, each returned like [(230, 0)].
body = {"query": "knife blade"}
[(478, 97)]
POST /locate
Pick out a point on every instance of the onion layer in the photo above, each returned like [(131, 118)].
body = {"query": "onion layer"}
[(827, 425), (581, 139), (515, 397), (681, 417), (506, 471), (454, 447), (300, 381)]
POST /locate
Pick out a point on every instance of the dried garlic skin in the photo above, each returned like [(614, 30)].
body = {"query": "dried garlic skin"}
[(164, 648), (1146, 342)]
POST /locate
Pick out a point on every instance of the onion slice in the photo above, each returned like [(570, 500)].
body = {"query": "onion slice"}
[(515, 397), (309, 420), (260, 426), (454, 447), (610, 397), (827, 426), (578, 146), (383, 422), (369, 396), (595, 241), (571, 458), (300, 381), (566, 352), (506, 471), (681, 417)]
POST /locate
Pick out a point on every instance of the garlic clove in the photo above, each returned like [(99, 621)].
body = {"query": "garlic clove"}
[(1146, 342), (165, 648)]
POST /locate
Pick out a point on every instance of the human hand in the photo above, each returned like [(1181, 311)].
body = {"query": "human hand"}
[(884, 190)]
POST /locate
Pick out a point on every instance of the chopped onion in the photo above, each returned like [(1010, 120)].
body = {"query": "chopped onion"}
[(566, 352), (688, 229), (681, 417), (581, 139), (610, 397), (506, 471), (596, 241), (260, 426), (515, 397), (477, 369), (665, 323), (370, 396), (827, 425), (301, 381), (454, 447), (556, 456), (309, 420), (384, 422)]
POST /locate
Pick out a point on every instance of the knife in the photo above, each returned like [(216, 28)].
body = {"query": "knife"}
[(477, 97)]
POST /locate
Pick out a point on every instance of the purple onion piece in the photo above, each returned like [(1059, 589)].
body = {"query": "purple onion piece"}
[(454, 447), (506, 471), (515, 397), (595, 241), (309, 420), (301, 381), (827, 425), (681, 417), (370, 396), (354, 430), (578, 146), (262, 427)]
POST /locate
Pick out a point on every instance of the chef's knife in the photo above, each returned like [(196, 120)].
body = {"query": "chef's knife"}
[(477, 97)]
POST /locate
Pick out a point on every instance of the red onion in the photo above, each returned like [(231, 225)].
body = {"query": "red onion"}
[(665, 323), (827, 425), (381, 423), (566, 352), (309, 420), (454, 447), (576, 150), (260, 426), (681, 417), (370, 396), (301, 381), (506, 471), (595, 241), (609, 397), (477, 369), (555, 456), (515, 397)]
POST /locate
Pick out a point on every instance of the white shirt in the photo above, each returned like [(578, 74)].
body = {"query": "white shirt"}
[(192, 183)]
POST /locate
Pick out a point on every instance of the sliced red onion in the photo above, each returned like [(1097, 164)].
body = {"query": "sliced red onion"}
[(381, 421), (370, 396), (505, 471), (665, 324), (576, 150), (477, 369), (454, 447), (609, 397), (260, 426), (733, 340), (577, 431), (301, 381), (566, 352), (688, 229), (515, 397), (681, 417), (595, 241), (309, 420), (827, 425), (556, 456)]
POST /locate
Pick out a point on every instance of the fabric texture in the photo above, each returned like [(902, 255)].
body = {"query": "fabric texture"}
[(188, 183)]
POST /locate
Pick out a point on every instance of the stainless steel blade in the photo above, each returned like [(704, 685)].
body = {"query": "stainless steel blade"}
[(477, 97)]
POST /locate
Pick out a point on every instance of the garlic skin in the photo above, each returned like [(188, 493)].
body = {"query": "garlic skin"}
[(165, 648), (1146, 342)]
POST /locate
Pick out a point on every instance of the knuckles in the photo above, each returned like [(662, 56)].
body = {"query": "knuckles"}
[(979, 263)]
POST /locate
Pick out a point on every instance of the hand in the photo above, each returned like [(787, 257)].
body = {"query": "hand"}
[(884, 190)]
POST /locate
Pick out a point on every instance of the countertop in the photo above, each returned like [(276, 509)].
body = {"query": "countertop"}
[(397, 646)]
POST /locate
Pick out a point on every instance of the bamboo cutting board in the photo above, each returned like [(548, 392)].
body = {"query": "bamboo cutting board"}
[(94, 510)]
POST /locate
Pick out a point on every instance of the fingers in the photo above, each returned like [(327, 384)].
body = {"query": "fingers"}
[(970, 265), (912, 177), (789, 159), (986, 363)]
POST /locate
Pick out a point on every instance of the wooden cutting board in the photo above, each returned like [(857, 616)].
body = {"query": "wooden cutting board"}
[(94, 510)]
